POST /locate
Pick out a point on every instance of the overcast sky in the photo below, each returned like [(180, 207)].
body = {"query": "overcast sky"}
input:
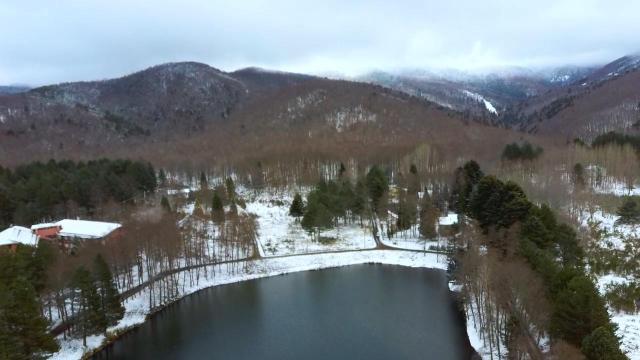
[(45, 41)]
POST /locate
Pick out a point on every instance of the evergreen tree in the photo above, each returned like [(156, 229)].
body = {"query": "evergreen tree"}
[(164, 203), (216, 202), (578, 176), (297, 206), (602, 344), (90, 318), (406, 213), (34, 263), (547, 217), (533, 229), (428, 218), (23, 330), (629, 211), (358, 204), (377, 185), (342, 170), (578, 310), (413, 185), (316, 216), (162, 177), (467, 178), (567, 240), (110, 303), (231, 189), (515, 206), (217, 208), (204, 184)]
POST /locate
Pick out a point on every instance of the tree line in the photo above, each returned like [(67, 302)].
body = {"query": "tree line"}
[(618, 139), (519, 231), (524, 151), (368, 197), (41, 191)]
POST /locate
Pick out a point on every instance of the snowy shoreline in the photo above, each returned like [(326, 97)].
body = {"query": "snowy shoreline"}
[(137, 308)]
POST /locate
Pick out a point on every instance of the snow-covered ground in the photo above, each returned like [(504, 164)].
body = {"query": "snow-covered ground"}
[(281, 234), (488, 105), (617, 188), (614, 234), (137, 307), (411, 240), (614, 238), (281, 241), (476, 336)]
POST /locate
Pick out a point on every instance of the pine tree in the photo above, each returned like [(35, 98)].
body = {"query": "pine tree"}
[(377, 185), (602, 344), (406, 213), (342, 170), (162, 177), (23, 330), (164, 203), (216, 202), (414, 181), (578, 176), (110, 302), (231, 189), (217, 208), (358, 204), (467, 178), (428, 218), (297, 206), (203, 181), (629, 212), (578, 310), (90, 318), (316, 216)]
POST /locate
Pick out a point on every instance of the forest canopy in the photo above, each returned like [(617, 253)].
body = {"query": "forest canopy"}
[(38, 191)]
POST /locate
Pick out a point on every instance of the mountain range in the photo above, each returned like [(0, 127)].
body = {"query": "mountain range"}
[(170, 110)]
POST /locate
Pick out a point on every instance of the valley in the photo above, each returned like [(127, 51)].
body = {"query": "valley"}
[(520, 188)]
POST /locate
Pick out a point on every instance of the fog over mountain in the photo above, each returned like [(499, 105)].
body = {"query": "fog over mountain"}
[(90, 40)]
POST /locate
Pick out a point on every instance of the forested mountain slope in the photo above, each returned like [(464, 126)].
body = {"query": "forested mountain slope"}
[(192, 109)]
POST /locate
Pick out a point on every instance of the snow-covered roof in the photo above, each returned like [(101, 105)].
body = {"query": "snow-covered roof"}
[(43, 226), (450, 219), (85, 229), (18, 235)]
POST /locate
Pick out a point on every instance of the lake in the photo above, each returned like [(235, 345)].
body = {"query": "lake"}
[(355, 312)]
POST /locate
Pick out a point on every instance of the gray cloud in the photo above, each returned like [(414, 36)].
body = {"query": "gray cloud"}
[(43, 41)]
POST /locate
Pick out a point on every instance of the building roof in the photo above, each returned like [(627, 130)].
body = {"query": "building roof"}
[(18, 235), (85, 229), (43, 226)]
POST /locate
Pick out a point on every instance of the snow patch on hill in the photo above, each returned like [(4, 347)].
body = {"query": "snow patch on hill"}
[(488, 105), (344, 118)]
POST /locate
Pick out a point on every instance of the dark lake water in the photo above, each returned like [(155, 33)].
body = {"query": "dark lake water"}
[(355, 312)]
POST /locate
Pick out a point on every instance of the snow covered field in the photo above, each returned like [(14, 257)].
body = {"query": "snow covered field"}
[(411, 240), (281, 234), (137, 307)]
